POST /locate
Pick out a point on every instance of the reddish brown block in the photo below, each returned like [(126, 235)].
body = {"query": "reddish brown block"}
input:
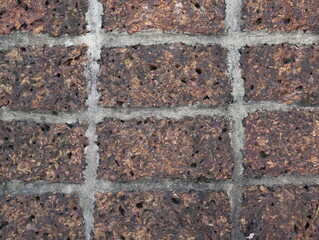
[(282, 142), (31, 151), (281, 15), (205, 16), (52, 17), (187, 148), (286, 73), (162, 215), (165, 75), (43, 78), (48, 216), (281, 212)]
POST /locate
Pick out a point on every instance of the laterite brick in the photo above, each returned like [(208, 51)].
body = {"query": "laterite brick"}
[(162, 215), (167, 148), (51, 152), (282, 142)]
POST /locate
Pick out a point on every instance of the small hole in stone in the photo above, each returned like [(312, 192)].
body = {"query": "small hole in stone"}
[(252, 87), (197, 5), (199, 70), (299, 88), (139, 205), (122, 211), (69, 155), (206, 98), (177, 65), (287, 21), (307, 225), (193, 165), (176, 201), (258, 21), (152, 67), (263, 154)]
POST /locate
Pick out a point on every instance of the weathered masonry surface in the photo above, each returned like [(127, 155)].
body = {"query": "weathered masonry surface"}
[(159, 119)]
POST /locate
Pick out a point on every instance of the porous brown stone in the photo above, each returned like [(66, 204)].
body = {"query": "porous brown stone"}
[(285, 73), (47, 216), (281, 15), (186, 16), (281, 212), (187, 148), (52, 17), (162, 215), (282, 142), (164, 75), (51, 152), (43, 78)]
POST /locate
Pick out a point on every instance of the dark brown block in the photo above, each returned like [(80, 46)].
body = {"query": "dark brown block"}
[(31, 151), (45, 216), (43, 78), (281, 15), (281, 212), (162, 215), (53, 17), (206, 16), (282, 142), (286, 73), (188, 148), (165, 75)]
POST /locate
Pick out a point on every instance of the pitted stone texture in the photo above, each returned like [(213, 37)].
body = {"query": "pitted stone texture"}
[(52, 17), (187, 148), (48, 216), (285, 73), (281, 15), (31, 151), (282, 142), (162, 215), (164, 75), (281, 212), (43, 78), (185, 16)]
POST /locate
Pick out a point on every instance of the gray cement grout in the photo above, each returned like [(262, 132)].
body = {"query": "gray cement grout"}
[(86, 194), (237, 112), (155, 37), (126, 113)]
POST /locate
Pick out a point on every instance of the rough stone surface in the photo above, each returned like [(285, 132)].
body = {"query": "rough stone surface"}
[(282, 142), (52, 17), (45, 216), (43, 78), (282, 212), (186, 16), (188, 148), (281, 15), (162, 215), (166, 75), (31, 151), (286, 73)]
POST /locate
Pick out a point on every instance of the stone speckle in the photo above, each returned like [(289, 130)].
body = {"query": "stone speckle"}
[(188, 148), (162, 215), (282, 142), (186, 16), (31, 151), (165, 75)]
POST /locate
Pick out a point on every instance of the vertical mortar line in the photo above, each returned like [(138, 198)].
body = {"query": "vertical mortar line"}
[(94, 43), (237, 112)]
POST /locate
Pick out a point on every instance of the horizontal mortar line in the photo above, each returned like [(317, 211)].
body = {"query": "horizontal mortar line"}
[(38, 187), (58, 117), (23, 39), (126, 113), (238, 39), (104, 186), (295, 179), (154, 37)]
